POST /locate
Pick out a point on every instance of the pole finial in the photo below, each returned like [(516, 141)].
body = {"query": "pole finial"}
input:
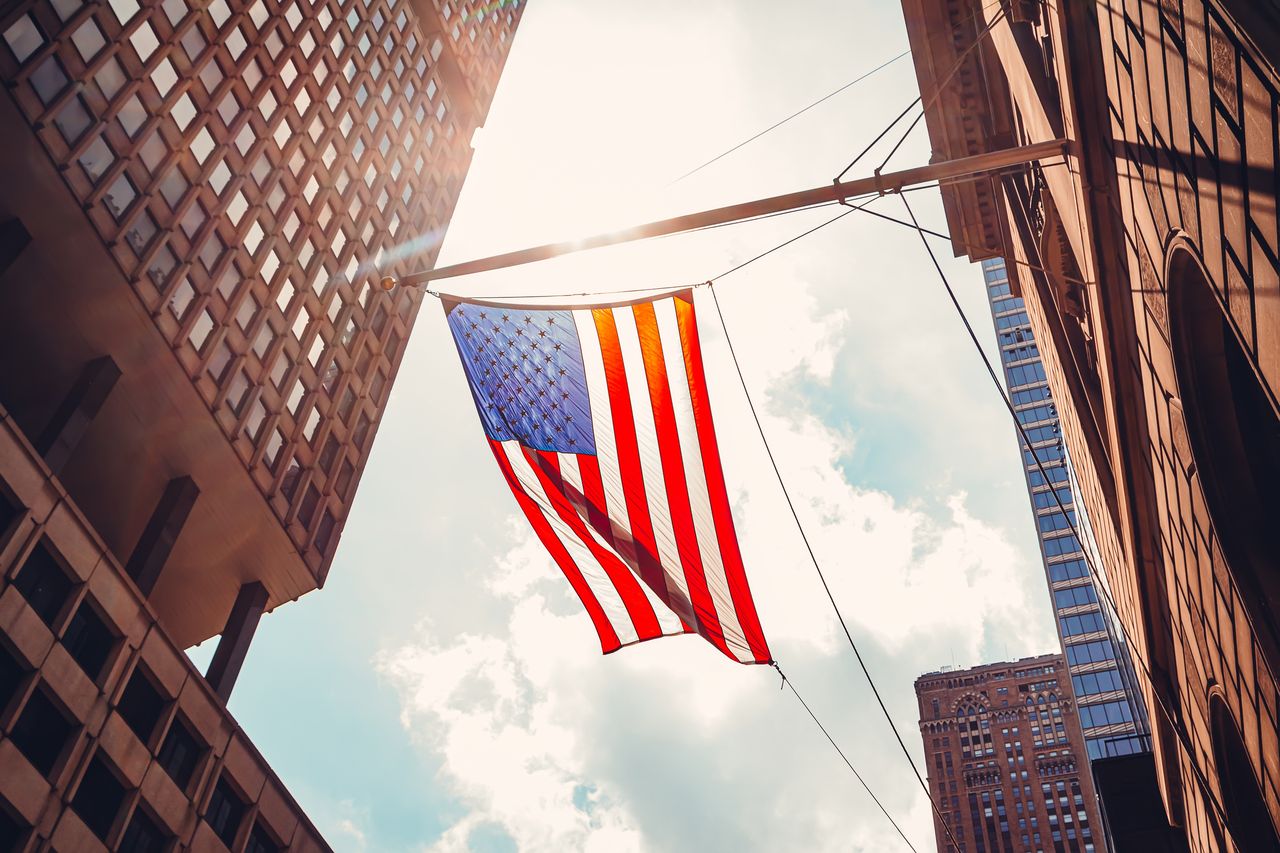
[(387, 282)]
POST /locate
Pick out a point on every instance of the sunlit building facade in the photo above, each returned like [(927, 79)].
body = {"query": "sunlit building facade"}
[(1006, 759), (1102, 679), (1147, 255), (196, 203)]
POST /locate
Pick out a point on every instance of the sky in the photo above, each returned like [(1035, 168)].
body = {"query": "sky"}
[(445, 690)]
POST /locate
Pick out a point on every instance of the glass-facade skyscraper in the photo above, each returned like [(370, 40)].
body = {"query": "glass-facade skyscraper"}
[(1111, 710)]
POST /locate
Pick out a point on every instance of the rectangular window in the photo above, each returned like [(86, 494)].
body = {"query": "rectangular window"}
[(89, 640), (99, 797), (225, 813), (180, 754), (44, 583), (41, 732), (141, 705)]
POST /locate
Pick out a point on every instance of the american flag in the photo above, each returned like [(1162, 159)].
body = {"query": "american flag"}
[(599, 418)]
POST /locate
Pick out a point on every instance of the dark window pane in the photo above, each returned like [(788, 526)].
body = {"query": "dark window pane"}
[(8, 512), (13, 831), (260, 841), (41, 732), (226, 811), (88, 640), (99, 797), (11, 672), (43, 583), (141, 705), (180, 753), (142, 835)]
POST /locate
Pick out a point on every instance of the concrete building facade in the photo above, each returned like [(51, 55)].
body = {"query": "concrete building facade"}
[(196, 203), (1147, 258), (1006, 759)]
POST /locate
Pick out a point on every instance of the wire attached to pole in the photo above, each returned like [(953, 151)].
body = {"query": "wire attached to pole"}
[(818, 568)]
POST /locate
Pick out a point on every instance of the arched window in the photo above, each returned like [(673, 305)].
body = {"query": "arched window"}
[(1234, 433), (1248, 821)]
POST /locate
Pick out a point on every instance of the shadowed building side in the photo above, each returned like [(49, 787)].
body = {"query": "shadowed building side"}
[(197, 202)]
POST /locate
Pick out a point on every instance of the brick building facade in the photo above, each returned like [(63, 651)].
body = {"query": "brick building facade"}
[(1006, 758), (1147, 258), (196, 202)]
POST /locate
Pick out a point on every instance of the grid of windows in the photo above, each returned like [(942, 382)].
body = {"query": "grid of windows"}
[(1052, 499), (254, 166)]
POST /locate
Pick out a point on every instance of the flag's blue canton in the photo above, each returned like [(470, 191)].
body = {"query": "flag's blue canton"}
[(526, 374)]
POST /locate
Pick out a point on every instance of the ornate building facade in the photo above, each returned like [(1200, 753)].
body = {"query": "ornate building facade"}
[(1146, 256), (196, 203), (1006, 758)]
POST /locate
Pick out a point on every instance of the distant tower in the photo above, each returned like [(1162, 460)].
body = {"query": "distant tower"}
[(1005, 759), (196, 201), (1111, 708)]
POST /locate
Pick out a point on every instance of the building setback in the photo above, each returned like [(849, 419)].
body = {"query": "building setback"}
[(1102, 679), (1006, 759), (1147, 258), (196, 202)]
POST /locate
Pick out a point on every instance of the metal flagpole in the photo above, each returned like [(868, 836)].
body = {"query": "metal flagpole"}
[(877, 183)]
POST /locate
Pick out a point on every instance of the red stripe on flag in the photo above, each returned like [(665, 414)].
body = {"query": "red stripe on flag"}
[(547, 467), (608, 637), (624, 434), (730, 554), (593, 491), (673, 474)]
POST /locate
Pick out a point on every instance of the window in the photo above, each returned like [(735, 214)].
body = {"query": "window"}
[(48, 80), (99, 797), (260, 841), (1084, 623), (41, 732), (1075, 596), (225, 813), (142, 835), (11, 675), (88, 640), (141, 705), (180, 754), (23, 38), (1105, 714), (1092, 652), (44, 584), (1234, 432)]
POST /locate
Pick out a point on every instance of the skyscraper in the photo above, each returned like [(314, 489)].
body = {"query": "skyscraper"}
[(1102, 679), (196, 201), (1005, 759)]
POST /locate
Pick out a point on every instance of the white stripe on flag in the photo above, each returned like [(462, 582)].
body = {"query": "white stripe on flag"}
[(606, 446), (655, 486), (593, 573), (668, 622), (696, 478), (573, 485)]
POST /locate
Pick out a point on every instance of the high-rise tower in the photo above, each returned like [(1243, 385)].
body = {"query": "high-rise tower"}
[(1111, 709), (196, 202)]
